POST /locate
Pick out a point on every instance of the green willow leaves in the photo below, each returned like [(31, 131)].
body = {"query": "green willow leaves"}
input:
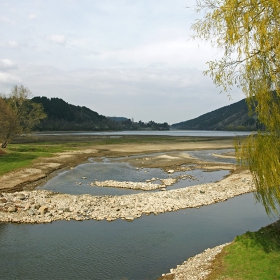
[(248, 34)]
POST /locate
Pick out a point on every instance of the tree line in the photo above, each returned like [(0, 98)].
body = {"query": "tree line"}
[(62, 116), (20, 114)]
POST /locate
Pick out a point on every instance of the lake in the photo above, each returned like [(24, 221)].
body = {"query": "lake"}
[(196, 133)]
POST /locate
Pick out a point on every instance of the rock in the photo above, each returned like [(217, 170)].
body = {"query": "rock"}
[(27, 206), (43, 209), (170, 171), (30, 212), (21, 196), (84, 178), (37, 206), (3, 200), (202, 191), (12, 209)]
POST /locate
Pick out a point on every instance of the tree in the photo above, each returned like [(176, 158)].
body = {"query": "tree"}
[(18, 114), (248, 34)]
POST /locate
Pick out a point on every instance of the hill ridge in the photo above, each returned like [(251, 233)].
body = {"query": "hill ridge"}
[(230, 117)]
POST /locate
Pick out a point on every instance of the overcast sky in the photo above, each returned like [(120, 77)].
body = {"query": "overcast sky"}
[(129, 58)]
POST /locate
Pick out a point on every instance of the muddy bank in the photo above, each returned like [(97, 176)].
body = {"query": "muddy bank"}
[(43, 169)]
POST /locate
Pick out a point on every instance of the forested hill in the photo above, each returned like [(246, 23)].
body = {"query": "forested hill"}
[(62, 116), (231, 117)]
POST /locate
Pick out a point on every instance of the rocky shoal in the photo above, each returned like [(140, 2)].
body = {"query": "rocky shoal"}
[(195, 268), (40, 206), (145, 186)]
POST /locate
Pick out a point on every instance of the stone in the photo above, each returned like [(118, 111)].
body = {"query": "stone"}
[(21, 196), (43, 209), (3, 200), (30, 212), (12, 209), (84, 178), (37, 206), (170, 171)]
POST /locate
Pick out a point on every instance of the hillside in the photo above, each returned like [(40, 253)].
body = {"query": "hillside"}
[(62, 116), (231, 117)]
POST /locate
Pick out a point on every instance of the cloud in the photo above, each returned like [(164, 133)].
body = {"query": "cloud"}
[(7, 20), (32, 16), (9, 78), (58, 39), (162, 54), (13, 44), (7, 64)]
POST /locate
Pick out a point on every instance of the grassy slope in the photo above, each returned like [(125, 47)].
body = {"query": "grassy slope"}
[(253, 255)]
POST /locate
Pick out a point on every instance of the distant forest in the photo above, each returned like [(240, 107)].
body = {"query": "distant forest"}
[(232, 117), (62, 116)]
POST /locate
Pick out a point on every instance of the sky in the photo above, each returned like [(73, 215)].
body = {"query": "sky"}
[(125, 58)]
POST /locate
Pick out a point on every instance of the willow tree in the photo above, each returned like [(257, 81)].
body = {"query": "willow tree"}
[(248, 34), (18, 114)]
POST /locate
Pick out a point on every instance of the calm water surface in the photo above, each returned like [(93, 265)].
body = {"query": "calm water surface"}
[(197, 133), (142, 249), (68, 181)]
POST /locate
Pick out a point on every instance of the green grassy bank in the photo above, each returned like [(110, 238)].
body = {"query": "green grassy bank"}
[(22, 155), (253, 255)]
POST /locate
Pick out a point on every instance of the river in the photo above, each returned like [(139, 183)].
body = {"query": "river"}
[(142, 249)]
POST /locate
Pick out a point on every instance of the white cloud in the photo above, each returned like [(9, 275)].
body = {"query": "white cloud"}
[(58, 39), (7, 20), (32, 16), (126, 58), (13, 44), (162, 54), (9, 78), (7, 64)]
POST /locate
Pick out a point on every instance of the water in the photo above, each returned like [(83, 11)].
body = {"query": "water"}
[(207, 155), (71, 181), (142, 249), (196, 133)]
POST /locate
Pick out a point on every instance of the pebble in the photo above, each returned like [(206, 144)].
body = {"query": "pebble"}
[(195, 268), (83, 207)]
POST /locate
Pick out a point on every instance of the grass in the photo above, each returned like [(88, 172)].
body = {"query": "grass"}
[(22, 155), (253, 255)]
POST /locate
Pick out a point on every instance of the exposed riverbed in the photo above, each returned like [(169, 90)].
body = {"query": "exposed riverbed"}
[(143, 249)]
